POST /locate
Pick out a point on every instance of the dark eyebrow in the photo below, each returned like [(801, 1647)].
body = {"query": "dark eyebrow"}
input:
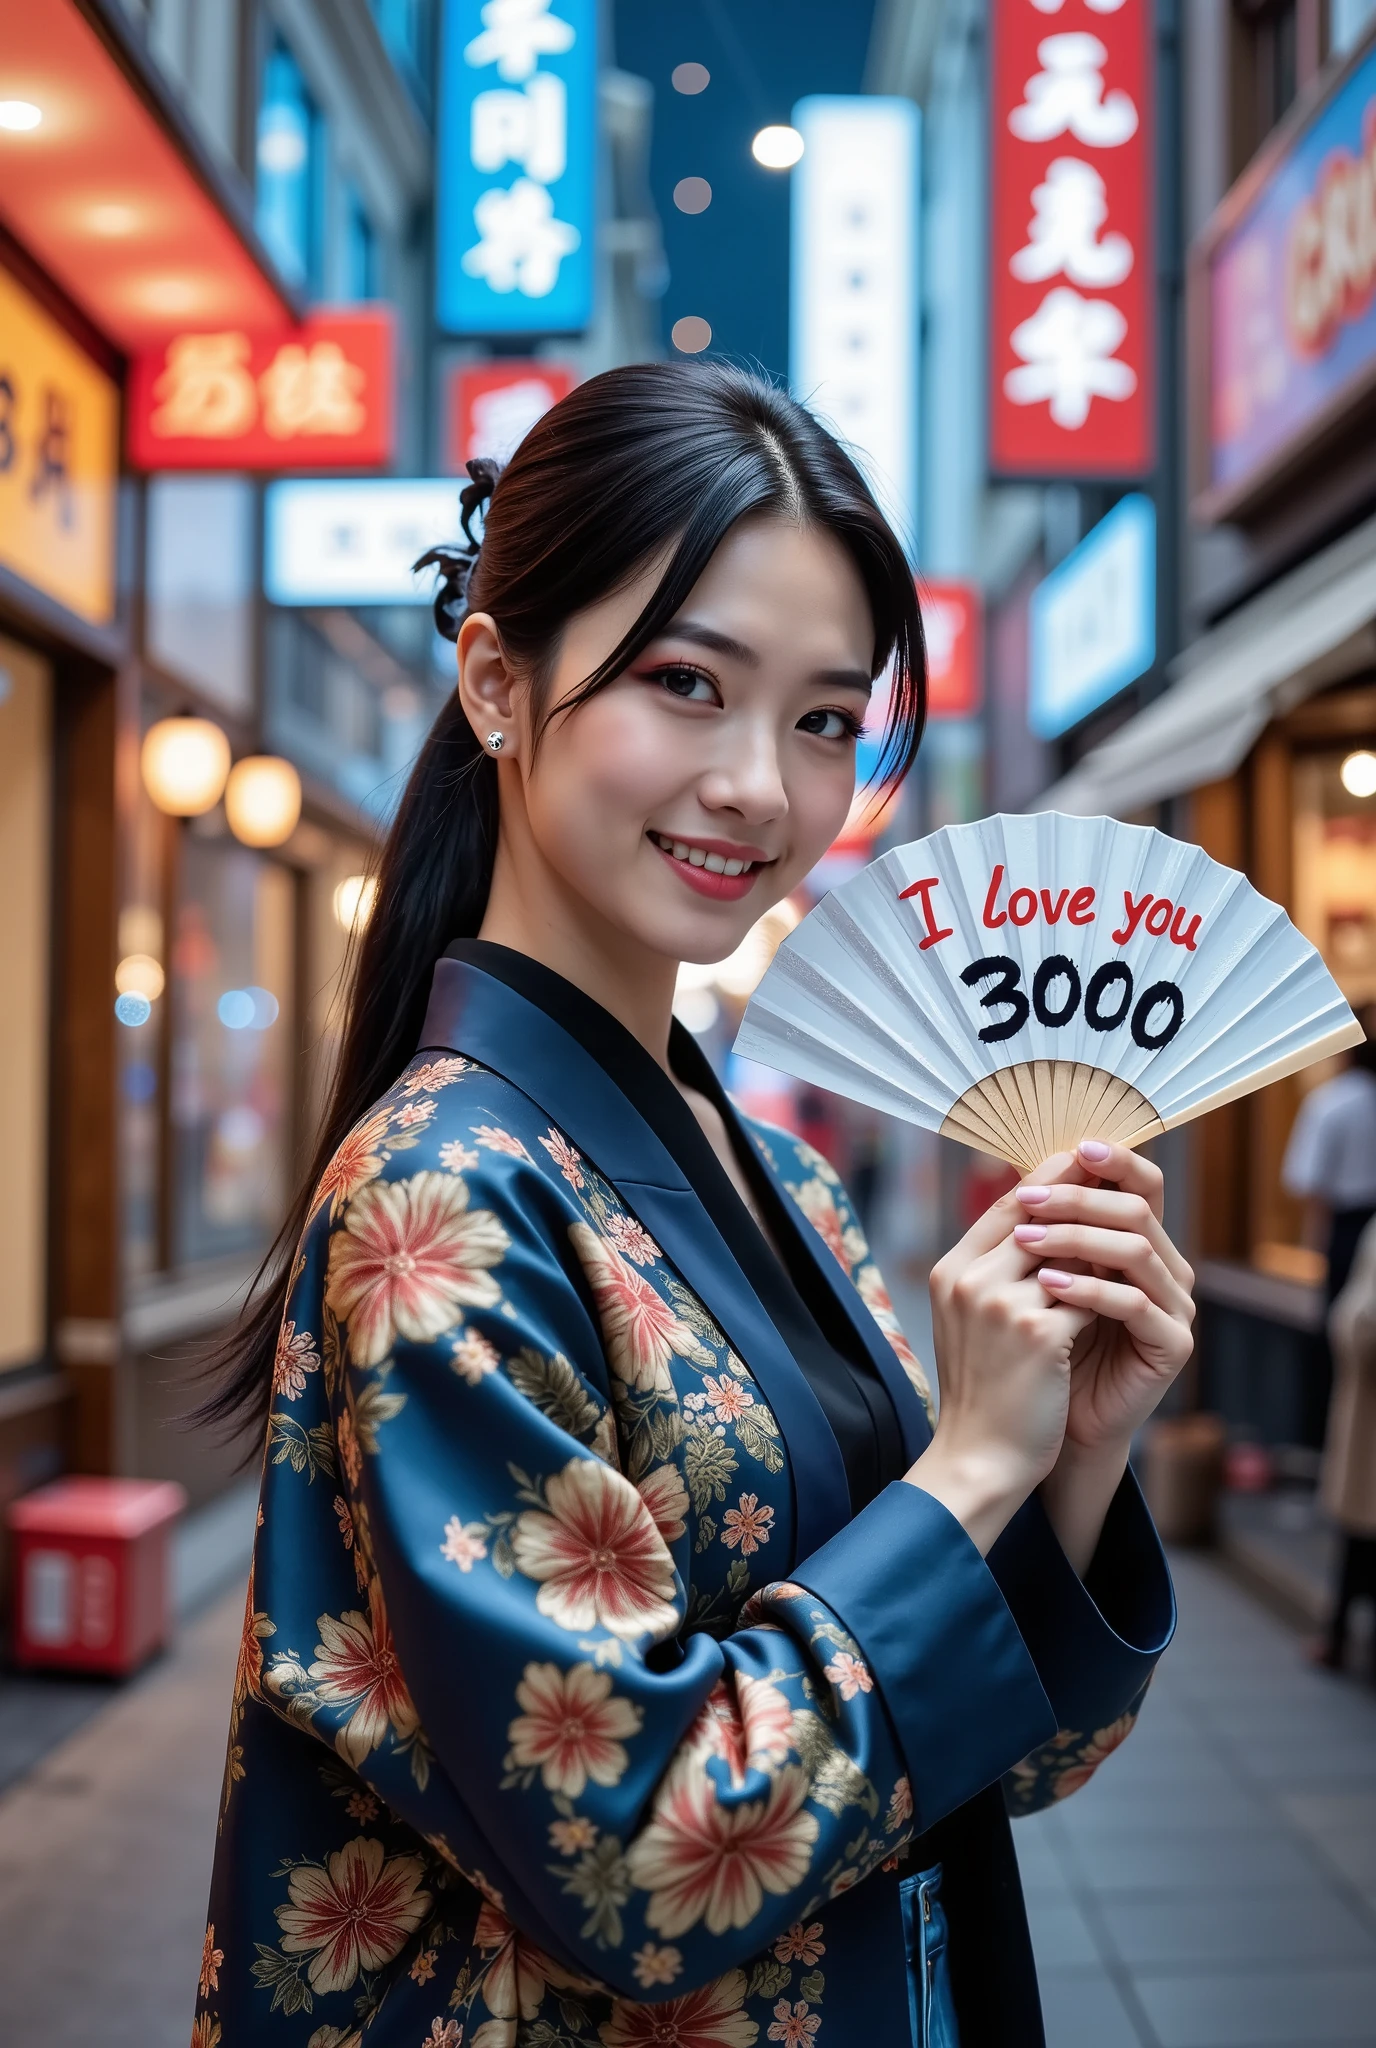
[(736, 650)]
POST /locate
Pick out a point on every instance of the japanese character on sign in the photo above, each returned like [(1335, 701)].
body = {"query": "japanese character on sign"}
[(529, 128), (1067, 349), (206, 388), (1067, 96), (515, 35), (314, 390), (521, 243), (1069, 209)]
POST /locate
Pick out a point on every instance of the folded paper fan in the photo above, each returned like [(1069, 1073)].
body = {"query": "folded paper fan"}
[(1025, 982)]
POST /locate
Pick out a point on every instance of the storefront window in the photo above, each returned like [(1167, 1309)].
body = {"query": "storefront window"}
[(201, 577), (231, 1052), (290, 157), (1335, 866)]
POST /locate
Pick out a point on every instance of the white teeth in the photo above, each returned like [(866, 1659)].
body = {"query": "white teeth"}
[(680, 849), (715, 864), (735, 867), (696, 857)]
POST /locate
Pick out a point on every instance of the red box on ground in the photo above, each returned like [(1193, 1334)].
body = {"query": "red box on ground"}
[(92, 1568)]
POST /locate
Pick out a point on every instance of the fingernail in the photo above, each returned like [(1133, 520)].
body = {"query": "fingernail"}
[(1092, 1148), (1051, 1276), (1029, 1233), (1033, 1195)]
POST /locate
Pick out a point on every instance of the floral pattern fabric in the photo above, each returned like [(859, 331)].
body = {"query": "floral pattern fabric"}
[(533, 1740)]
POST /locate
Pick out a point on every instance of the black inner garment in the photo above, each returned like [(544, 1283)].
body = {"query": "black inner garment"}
[(797, 1300)]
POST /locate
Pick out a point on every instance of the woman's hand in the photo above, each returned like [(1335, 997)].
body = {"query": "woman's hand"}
[(1103, 1249), (1004, 1347)]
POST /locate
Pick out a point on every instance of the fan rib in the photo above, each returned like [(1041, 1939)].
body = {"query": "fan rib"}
[(1029, 1111)]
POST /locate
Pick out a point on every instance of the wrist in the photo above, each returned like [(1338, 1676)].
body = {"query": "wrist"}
[(982, 1489)]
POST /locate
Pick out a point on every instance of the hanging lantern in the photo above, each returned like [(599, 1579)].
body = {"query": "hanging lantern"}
[(354, 898), (184, 763), (263, 800)]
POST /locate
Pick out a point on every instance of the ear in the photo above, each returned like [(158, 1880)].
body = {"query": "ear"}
[(487, 687)]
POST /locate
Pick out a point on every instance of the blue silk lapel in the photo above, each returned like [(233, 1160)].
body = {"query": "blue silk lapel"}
[(472, 1012), (912, 1416)]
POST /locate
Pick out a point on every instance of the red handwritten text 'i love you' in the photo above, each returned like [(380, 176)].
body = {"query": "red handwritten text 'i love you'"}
[(1156, 915)]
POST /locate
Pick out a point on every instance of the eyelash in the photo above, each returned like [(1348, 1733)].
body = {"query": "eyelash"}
[(854, 728)]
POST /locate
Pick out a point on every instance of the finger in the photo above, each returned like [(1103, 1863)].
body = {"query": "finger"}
[(1127, 1170), (1163, 1340), (1128, 1252), (1109, 1209)]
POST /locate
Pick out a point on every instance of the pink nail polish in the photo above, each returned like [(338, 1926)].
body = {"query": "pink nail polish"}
[(1033, 1195), (1093, 1148), (1029, 1233), (1051, 1276)]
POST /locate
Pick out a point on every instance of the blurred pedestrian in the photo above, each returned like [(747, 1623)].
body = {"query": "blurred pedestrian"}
[(1330, 1162), (1347, 1484)]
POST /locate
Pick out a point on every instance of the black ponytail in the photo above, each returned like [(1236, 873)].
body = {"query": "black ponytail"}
[(650, 457)]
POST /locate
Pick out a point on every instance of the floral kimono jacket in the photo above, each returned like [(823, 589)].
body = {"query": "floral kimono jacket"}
[(592, 1691)]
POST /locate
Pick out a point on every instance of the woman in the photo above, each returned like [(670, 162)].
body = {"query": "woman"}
[(627, 1659), (1347, 1481)]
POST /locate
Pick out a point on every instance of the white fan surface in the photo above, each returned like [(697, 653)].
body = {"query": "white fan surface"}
[(1125, 1033)]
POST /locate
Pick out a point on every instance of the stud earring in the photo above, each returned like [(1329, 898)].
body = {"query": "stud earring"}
[(496, 741)]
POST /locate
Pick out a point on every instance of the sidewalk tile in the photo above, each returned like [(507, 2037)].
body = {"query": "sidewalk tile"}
[(1193, 1860), (1082, 2009), (1225, 1928), (1256, 2009)]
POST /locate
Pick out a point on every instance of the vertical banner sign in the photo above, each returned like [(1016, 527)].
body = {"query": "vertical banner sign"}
[(952, 619), (490, 407), (517, 150), (1071, 295), (854, 315)]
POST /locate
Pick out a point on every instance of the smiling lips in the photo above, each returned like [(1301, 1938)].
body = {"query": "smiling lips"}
[(712, 868)]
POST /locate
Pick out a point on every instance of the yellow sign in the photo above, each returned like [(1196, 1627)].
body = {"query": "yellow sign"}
[(59, 450)]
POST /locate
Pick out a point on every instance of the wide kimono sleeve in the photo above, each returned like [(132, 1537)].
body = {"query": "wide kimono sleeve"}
[(1094, 1643), (650, 1784)]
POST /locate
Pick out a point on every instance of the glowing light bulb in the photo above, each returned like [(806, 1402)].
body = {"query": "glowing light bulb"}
[(263, 800), (1358, 774), (354, 898), (185, 762), (778, 149)]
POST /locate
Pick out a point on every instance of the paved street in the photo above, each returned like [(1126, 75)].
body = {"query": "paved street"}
[(1214, 1887)]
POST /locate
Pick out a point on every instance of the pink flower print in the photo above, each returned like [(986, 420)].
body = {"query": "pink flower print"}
[(1091, 1755), (211, 1959), (345, 1520), (362, 1807), (434, 1074), (750, 1726), (350, 1456), (353, 1912), (655, 1965), (423, 1968), (665, 1495), (801, 1944), (412, 1113), (570, 1836), (900, 1809), (494, 1139), (727, 1397), (456, 1157), (702, 1860), (815, 1200), (714, 2017), (474, 1358), (794, 2025), (359, 1159), (849, 1675), (443, 2033), (747, 1525), (572, 1728), (514, 1981), (464, 1543), (356, 1666), (631, 1239), (295, 1356), (569, 1162), (639, 1327), (597, 1554), (411, 1253)]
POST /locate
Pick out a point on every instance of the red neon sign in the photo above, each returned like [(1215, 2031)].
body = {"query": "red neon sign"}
[(951, 619), (1071, 299)]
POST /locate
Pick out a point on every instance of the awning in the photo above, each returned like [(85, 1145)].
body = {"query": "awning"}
[(1312, 628), (110, 191)]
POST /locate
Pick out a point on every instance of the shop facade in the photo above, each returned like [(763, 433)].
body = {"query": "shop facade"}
[(1256, 747)]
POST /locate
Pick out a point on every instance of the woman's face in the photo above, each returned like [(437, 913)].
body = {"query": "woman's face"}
[(701, 785)]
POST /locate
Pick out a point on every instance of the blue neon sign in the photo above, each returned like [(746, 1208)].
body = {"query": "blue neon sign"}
[(517, 159), (1092, 623)]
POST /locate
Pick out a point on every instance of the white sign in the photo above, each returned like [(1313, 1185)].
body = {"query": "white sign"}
[(353, 543), (1093, 619), (855, 315)]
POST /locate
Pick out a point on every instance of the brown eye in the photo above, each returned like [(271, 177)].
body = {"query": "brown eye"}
[(831, 725), (691, 684)]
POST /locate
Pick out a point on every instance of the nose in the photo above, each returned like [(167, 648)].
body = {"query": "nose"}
[(747, 778)]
